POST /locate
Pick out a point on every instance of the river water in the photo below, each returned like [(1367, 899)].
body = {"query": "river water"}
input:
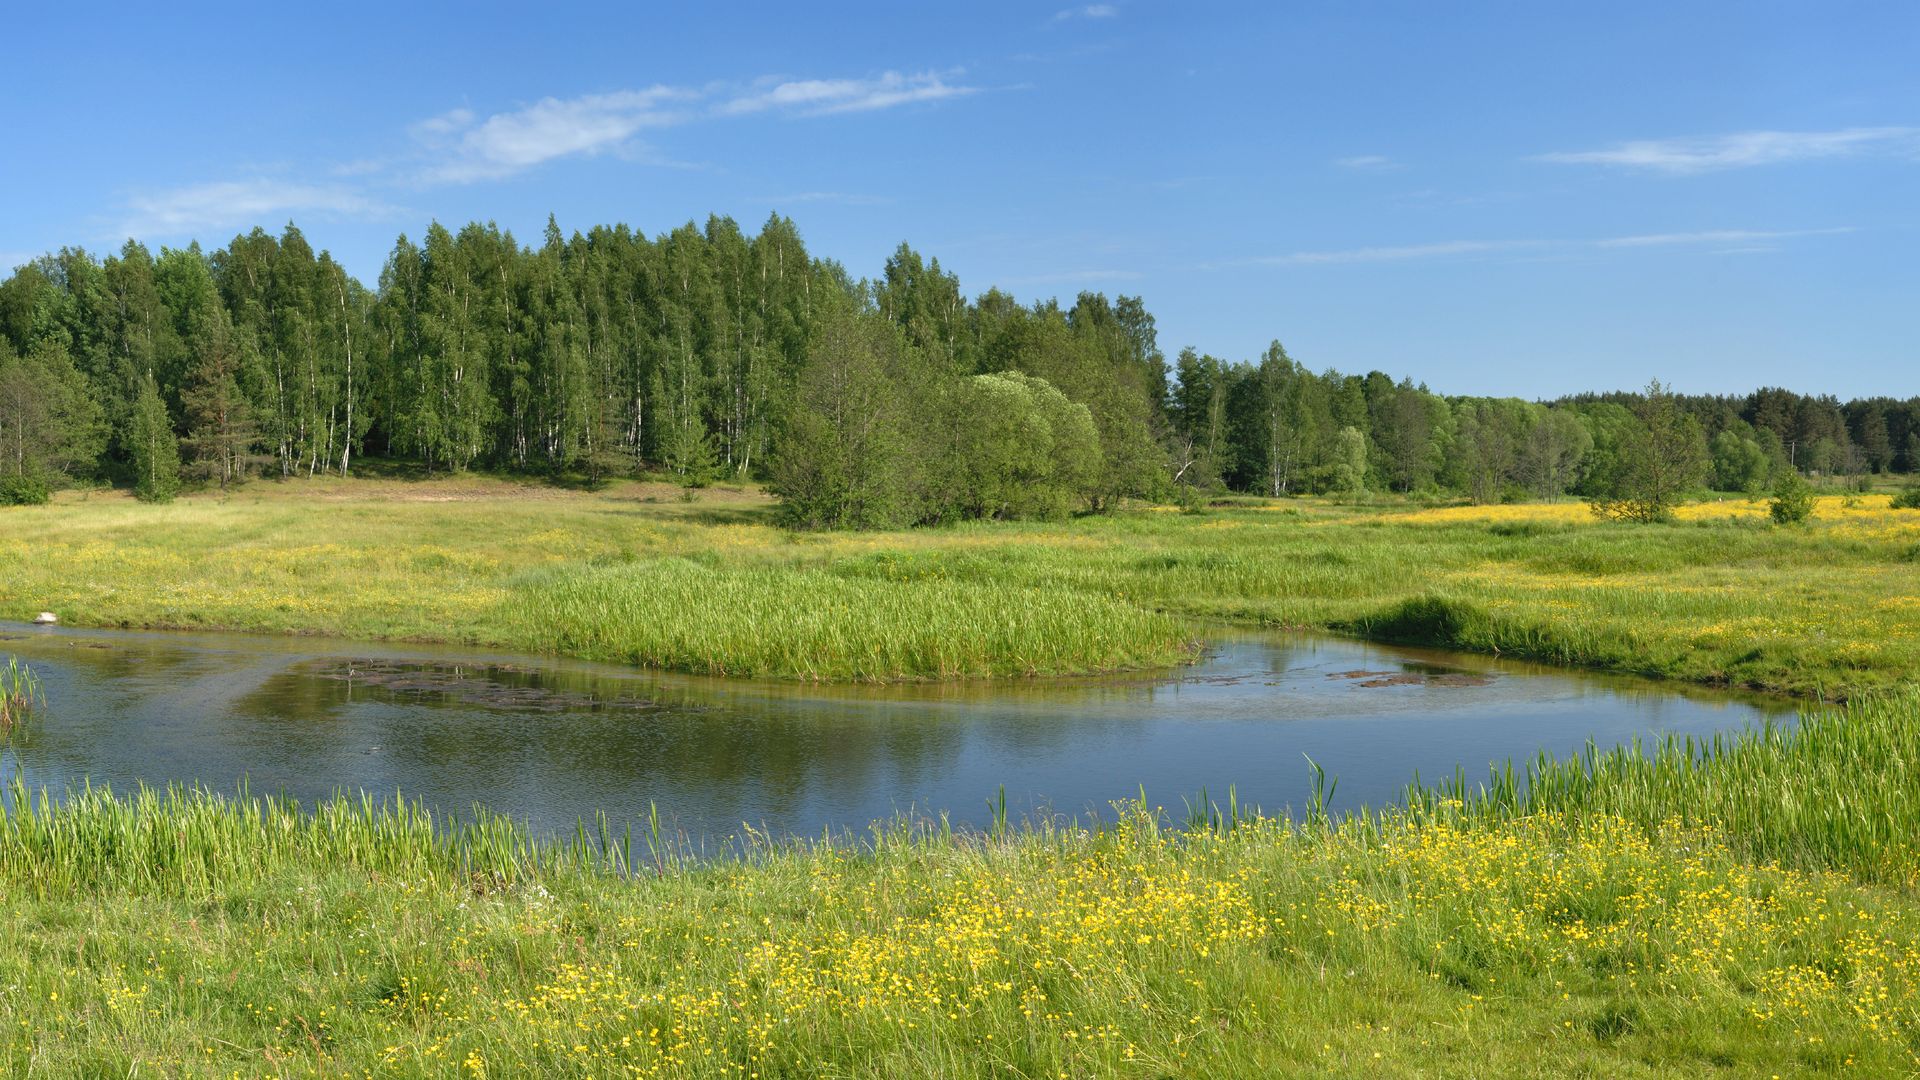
[(551, 741)]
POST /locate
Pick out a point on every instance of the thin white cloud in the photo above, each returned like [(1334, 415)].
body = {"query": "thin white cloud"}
[(1087, 11), (445, 124), (466, 147), (1743, 241), (1367, 163), (1717, 236), (814, 97), (462, 145), (223, 204), (509, 142), (1710, 153)]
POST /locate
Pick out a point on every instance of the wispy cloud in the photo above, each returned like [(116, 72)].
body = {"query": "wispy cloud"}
[(1748, 237), (823, 96), (509, 142), (1711, 153), (236, 203), (1367, 163), (465, 147), (1086, 11), (1744, 241)]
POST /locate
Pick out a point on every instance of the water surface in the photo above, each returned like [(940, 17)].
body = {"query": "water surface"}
[(553, 741)]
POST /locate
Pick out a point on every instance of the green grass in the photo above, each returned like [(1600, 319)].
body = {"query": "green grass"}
[(806, 623), (1723, 914), (1829, 609)]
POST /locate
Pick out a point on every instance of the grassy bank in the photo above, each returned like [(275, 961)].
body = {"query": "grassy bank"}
[(1722, 596), (1683, 915)]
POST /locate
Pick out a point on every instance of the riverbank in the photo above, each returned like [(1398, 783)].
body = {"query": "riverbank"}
[(631, 574), (1670, 915)]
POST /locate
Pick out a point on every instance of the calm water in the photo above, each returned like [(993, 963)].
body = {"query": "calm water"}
[(551, 741)]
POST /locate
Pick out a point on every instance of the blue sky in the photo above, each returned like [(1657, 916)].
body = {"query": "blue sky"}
[(1517, 198)]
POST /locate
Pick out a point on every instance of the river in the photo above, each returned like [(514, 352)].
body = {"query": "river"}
[(551, 741)]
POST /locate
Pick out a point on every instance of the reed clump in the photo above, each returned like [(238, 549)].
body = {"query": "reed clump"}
[(19, 694)]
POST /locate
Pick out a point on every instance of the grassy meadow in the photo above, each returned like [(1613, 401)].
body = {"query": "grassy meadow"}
[(1746, 907), (1679, 914), (632, 574)]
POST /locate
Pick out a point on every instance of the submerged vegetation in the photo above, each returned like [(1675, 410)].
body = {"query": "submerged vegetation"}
[(1725, 910), (630, 573)]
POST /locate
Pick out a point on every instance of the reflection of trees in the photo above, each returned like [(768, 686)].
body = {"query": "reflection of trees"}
[(592, 744), (552, 742)]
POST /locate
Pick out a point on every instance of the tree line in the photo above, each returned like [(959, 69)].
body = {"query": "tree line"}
[(708, 353)]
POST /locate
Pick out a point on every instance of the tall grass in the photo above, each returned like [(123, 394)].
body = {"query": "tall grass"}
[(193, 842), (807, 624), (1836, 791), (1722, 909), (19, 693)]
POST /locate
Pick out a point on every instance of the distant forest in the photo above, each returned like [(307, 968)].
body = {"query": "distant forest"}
[(709, 353)]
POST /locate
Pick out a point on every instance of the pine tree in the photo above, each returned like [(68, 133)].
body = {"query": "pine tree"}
[(222, 439)]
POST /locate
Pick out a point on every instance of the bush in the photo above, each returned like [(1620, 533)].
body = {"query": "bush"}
[(1792, 499), (23, 490), (1907, 498)]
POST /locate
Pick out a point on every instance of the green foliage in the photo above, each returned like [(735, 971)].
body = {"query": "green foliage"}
[(847, 456), (50, 422), (610, 353), (1792, 499), (1348, 470), (155, 452), (1660, 457), (23, 489), (1018, 449), (1907, 498), (1739, 463)]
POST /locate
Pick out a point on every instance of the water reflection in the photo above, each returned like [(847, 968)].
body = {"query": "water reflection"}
[(551, 741)]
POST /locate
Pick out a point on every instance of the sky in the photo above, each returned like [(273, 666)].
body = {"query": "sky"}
[(1522, 198)]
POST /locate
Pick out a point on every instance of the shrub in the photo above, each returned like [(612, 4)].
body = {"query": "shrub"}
[(1907, 498), (1792, 499), (23, 490)]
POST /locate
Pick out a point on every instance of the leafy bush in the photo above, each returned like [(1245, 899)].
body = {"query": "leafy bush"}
[(23, 490), (1907, 498), (1792, 499)]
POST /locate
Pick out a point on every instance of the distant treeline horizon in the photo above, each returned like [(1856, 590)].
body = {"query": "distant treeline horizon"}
[(708, 353)]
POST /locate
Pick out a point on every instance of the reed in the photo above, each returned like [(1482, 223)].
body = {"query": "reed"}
[(809, 624), (1834, 791), (19, 694)]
